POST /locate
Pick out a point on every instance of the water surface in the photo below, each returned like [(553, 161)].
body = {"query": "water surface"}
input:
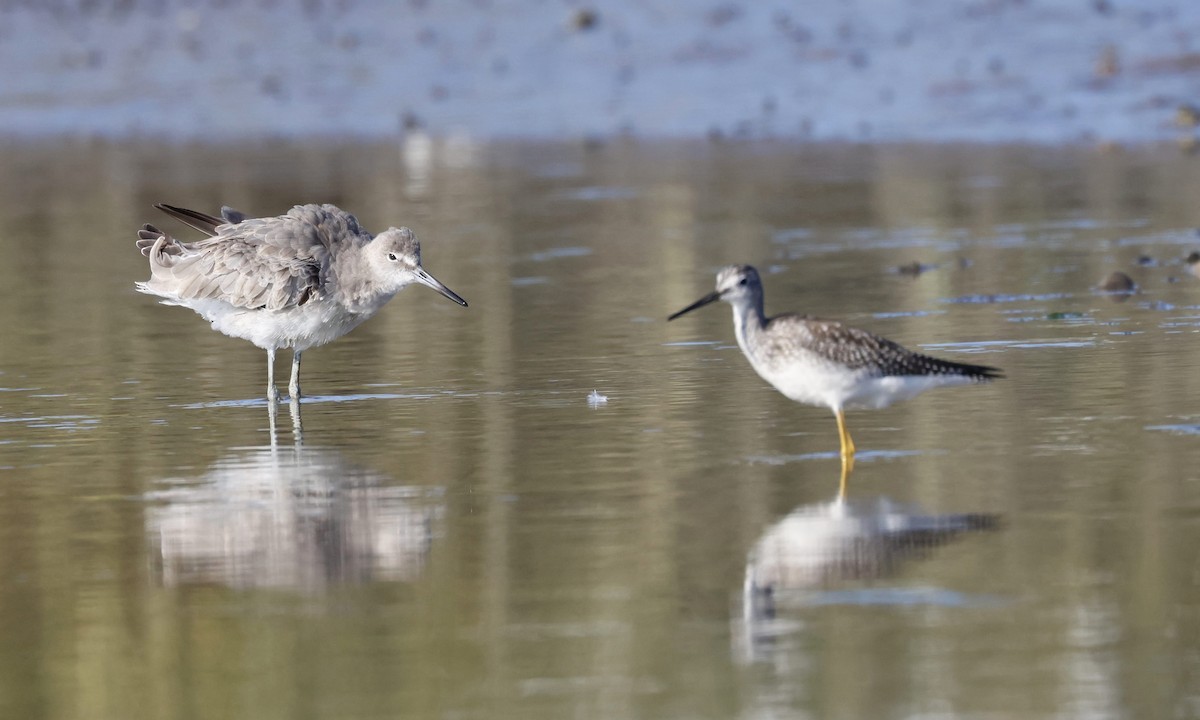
[(457, 532)]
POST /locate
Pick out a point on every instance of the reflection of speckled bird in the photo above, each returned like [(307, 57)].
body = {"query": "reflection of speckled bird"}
[(825, 363), (295, 281), (822, 545)]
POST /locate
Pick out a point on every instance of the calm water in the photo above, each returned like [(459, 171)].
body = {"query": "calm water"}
[(457, 533)]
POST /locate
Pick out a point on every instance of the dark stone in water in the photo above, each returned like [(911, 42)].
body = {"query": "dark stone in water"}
[(914, 268), (1118, 282)]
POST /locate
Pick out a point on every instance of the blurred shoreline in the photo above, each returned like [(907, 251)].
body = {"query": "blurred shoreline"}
[(990, 71)]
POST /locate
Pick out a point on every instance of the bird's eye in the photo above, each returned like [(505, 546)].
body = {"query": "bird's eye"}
[(742, 281), (392, 257)]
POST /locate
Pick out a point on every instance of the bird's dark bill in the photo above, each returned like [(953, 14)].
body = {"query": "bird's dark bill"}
[(431, 282), (709, 298)]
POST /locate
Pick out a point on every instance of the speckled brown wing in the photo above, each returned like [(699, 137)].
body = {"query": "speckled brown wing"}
[(860, 350)]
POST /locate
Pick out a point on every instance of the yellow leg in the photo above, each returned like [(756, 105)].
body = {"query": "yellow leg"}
[(847, 467), (844, 434), (847, 452)]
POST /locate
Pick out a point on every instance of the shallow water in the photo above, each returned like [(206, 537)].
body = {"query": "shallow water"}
[(448, 528)]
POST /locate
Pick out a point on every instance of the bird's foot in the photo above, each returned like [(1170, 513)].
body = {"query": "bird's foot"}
[(294, 392), (272, 394)]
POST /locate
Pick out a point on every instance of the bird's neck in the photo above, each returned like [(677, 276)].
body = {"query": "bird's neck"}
[(748, 320), (355, 290)]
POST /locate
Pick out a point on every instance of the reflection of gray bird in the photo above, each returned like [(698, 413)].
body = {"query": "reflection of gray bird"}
[(825, 363), (820, 545), (295, 281), (299, 518)]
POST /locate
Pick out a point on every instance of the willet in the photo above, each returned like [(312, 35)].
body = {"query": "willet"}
[(295, 281), (825, 363)]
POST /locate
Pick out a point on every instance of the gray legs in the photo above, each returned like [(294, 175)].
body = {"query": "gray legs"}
[(272, 393), (293, 392), (294, 384)]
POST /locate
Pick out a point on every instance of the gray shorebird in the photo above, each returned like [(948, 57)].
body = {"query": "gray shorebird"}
[(826, 363), (295, 281)]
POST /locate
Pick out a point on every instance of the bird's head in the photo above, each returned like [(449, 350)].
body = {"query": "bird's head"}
[(735, 284), (395, 254)]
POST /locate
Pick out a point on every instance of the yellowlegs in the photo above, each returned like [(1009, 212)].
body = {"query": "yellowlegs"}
[(295, 281), (825, 363), (837, 545)]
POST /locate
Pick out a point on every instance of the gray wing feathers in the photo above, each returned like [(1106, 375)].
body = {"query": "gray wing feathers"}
[(272, 263), (231, 216), (327, 224), (238, 275)]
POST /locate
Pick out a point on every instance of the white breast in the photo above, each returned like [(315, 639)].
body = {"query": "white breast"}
[(299, 328)]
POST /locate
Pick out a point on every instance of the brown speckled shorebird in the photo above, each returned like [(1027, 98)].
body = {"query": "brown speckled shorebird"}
[(295, 281), (825, 363)]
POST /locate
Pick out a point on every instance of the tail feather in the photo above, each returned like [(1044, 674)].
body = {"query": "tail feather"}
[(980, 373), (149, 236), (203, 222), (910, 363)]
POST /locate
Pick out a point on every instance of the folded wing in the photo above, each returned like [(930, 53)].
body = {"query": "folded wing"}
[(859, 349), (273, 263)]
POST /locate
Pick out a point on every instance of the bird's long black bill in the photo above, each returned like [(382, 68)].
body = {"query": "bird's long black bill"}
[(709, 298), (430, 281)]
